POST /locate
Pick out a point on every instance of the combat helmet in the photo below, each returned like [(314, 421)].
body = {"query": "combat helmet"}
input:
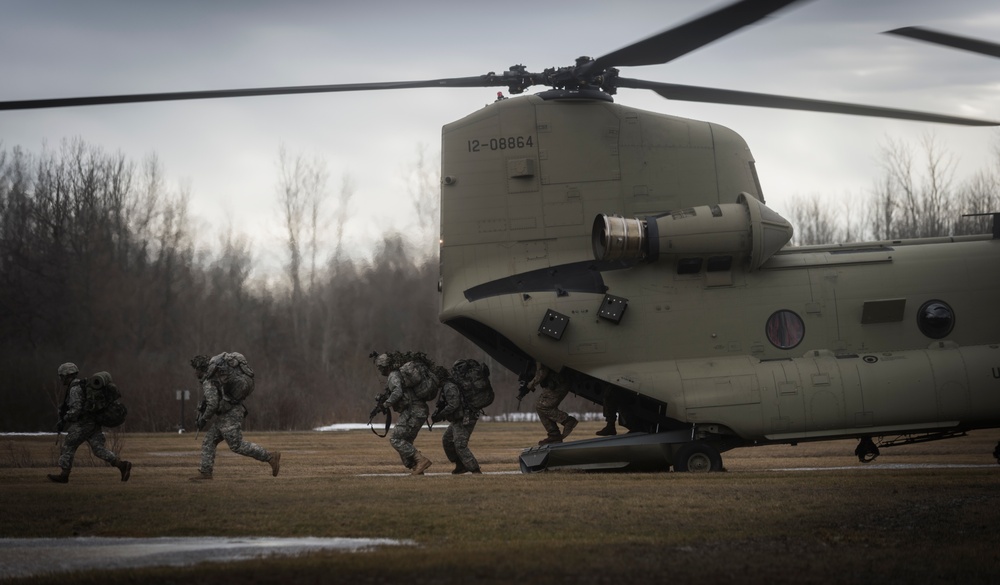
[(200, 362), (383, 362), (68, 369)]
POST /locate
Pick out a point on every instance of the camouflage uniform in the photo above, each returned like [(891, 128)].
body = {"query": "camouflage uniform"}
[(554, 390), (462, 421), (412, 415), (83, 428), (220, 381)]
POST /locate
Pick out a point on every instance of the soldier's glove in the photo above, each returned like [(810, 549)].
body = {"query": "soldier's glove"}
[(200, 422), (436, 417)]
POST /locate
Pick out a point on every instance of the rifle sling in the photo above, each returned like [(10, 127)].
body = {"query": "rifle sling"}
[(388, 422)]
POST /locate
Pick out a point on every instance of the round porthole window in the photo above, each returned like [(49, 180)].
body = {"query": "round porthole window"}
[(935, 319), (785, 329)]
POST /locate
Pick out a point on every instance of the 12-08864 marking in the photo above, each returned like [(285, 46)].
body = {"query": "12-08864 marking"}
[(502, 143)]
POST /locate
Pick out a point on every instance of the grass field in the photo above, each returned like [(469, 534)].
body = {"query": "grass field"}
[(773, 517)]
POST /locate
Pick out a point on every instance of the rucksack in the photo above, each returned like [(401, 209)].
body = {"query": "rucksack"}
[(420, 380), (235, 375), (473, 379), (101, 398)]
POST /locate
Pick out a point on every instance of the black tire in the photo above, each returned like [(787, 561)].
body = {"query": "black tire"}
[(697, 457)]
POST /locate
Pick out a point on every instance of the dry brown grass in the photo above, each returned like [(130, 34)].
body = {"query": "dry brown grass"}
[(758, 523)]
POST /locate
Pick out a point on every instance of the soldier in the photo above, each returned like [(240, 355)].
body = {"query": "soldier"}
[(83, 427), (226, 380), (462, 421), (412, 415), (610, 412), (554, 389)]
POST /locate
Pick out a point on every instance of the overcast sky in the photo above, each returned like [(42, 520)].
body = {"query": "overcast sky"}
[(226, 150)]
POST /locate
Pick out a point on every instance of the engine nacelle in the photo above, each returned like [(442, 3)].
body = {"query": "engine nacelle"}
[(745, 229)]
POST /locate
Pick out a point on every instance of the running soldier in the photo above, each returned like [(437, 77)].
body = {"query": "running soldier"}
[(412, 415), (226, 381), (554, 390), (462, 421), (83, 428)]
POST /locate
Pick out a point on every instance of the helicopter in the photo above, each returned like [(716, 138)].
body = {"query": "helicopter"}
[(634, 253)]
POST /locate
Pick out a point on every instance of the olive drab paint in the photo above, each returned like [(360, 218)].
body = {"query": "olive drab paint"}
[(548, 206)]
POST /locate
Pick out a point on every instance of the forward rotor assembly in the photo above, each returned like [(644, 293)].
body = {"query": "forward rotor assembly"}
[(587, 78)]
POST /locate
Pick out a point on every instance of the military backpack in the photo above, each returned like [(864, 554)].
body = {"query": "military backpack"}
[(234, 374), (473, 379), (102, 400), (420, 379)]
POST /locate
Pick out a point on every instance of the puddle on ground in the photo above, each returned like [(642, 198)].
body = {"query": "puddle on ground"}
[(23, 557)]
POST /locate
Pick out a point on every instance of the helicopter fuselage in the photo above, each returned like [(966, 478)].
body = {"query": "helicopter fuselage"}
[(704, 320)]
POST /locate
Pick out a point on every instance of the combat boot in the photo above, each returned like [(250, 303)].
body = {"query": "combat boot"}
[(459, 469), (275, 463), (568, 427), (422, 463), (63, 476), (202, 476), (125, 467), (608, 431), (556, 438)]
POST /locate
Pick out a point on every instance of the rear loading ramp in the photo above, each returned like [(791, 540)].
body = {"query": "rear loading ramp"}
[(629, 452)]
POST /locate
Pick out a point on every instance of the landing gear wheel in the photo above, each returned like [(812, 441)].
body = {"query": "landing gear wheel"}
[(866, 450), (697, 457)]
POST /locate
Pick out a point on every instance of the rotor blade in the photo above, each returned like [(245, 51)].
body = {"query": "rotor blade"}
[(479, 81), (691, 93), (949, 40), (681, 40)]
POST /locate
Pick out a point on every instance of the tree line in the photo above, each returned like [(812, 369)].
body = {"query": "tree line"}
[(915, 196), (99, 266)]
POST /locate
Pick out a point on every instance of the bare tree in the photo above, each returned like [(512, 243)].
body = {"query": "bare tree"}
[(979, 195), (302, 191), (342, 214), (814, 222), (291, 199), (423, 185), (909, 203)]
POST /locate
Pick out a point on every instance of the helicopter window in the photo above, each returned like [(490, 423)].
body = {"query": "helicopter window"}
[(719, 263), (935, 319), (785, 329), (689, 265)]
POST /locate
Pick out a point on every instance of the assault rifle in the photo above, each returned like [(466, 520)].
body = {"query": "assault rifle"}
[(200, 421), (381, 407), (522, 383), (436, 416), (62, 421)]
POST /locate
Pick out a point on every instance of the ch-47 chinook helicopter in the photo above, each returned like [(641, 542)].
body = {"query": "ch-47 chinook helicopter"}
[(633, 252)]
